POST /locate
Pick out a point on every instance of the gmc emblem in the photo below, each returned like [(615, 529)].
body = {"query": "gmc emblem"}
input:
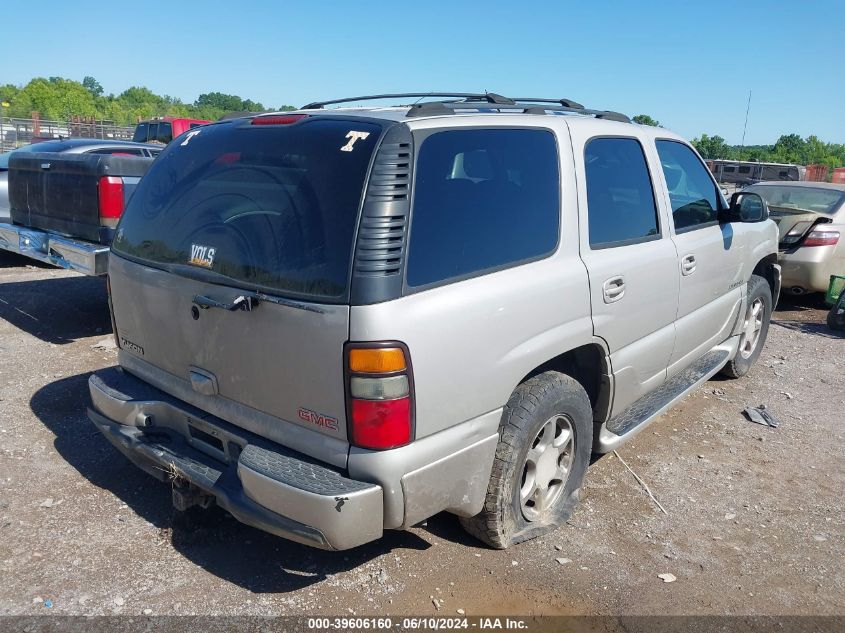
[(324, 421)]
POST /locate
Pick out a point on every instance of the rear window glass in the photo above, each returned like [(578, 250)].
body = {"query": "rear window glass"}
[(485, 199), (165, 132), (118, 151), (269, 207), (800, 198), (140, 135)]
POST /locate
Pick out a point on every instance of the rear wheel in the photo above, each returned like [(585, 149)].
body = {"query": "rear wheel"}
[(545, 442), (755, 328)]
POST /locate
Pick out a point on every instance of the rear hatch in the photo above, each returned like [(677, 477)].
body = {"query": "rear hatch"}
[(797, 209), (60, 192), (230, 267)]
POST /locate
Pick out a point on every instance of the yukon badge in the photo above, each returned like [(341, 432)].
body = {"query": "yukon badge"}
[(125, 343), (202, 255)]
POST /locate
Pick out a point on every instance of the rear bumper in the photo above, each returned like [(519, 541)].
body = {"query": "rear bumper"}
[(809, 268), (261, 484), (64, 252)]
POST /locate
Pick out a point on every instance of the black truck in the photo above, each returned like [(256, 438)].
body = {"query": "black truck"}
[(64, 207)]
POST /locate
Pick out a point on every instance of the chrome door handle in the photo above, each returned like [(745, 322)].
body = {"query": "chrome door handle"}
[(613, 289), (688, 265)]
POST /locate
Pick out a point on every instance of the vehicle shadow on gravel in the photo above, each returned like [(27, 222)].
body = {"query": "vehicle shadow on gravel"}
[(800, 303), (211, 539), (59, 310), (11, 260), (817, 329)]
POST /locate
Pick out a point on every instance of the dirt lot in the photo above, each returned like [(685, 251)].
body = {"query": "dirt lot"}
[(755, 521)]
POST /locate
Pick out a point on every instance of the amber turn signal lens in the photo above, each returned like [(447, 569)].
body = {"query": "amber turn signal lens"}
[(376, 361)]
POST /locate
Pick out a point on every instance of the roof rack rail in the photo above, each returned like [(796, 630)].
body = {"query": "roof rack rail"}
[(489, 97), (433, 108), (566, 103), (483, 101)]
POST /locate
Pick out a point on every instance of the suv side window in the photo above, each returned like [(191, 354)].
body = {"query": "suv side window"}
[(484, 199), (692, 192), (620, 198)]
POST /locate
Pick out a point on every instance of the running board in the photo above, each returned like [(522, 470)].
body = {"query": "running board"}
[(636, 417)]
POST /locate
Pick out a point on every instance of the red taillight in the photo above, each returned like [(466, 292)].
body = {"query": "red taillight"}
[(379, 391), (820, 237), (381, 424), (111, 199), (276, 119)]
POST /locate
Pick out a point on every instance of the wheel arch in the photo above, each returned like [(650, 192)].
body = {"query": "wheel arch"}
[(588, 364), (768, 269)]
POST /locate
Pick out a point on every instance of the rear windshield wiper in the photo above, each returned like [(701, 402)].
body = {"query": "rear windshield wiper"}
[(243, 302), (247, 303)]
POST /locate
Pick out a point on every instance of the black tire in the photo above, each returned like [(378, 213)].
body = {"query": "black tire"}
[(530, 408), (836, 315), (758, 288)]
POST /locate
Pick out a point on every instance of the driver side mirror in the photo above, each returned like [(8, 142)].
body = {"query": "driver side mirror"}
[(745, 207)]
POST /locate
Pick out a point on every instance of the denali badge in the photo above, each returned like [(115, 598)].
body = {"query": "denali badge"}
[(317, 418), (202, 256), (125, 343)]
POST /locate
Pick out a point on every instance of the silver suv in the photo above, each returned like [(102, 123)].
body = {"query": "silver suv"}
[(334, 322)]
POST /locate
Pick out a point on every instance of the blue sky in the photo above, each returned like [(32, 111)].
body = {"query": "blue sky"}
[(690, 67)]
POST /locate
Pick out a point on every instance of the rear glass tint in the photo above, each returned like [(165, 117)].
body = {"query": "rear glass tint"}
[(140, 135), (800, 198), (165, 132), (269, 207)]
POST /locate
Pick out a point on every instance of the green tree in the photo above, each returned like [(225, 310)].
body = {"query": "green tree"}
[(92, 85), (226, 103), (789, 148), (57, 98), (644, 119), (712, 147)]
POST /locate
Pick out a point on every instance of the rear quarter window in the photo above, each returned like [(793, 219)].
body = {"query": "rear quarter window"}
[(485, 199)]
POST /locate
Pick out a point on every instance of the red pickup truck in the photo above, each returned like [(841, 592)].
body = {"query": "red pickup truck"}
[(164, 129)]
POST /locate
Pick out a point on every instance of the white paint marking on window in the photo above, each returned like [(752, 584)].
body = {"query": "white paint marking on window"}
[(353, 136), (189, 136)]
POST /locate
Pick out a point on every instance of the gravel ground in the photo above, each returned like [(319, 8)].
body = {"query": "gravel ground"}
[(754, 525)]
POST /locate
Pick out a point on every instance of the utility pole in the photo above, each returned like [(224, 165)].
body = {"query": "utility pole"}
[(745, 127)]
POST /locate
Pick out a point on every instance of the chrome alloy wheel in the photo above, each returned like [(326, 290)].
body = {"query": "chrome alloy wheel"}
[(751, 328), (547, 467)]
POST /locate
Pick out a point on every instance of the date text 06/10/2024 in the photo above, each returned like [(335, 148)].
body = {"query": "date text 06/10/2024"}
[(416, 623)]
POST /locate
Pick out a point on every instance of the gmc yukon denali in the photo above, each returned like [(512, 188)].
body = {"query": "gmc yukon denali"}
[(339, 321)]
